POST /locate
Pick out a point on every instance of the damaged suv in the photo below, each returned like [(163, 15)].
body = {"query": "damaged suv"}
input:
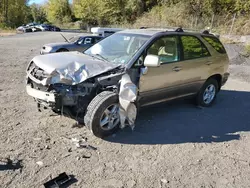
[(104, 86)]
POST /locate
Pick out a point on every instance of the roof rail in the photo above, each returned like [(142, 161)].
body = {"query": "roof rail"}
[(205, 32), (179, 29)]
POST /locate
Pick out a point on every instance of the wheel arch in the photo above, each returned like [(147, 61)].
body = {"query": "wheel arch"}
[(218, 78), (62, 49)]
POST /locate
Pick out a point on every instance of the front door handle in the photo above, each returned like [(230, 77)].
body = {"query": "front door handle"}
[(176, 69)]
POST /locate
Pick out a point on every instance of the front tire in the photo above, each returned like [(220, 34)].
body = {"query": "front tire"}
[(207, 93), (102, 116)]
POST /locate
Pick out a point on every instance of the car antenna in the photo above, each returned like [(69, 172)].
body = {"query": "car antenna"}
[(64, 38)]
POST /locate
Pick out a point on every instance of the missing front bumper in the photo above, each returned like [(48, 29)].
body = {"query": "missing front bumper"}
[(52, 100), (42, 95)]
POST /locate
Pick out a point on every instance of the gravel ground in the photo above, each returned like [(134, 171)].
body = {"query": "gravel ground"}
[(173, 145)]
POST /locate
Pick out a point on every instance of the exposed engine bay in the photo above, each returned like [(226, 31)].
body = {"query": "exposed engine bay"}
[(72, 100)]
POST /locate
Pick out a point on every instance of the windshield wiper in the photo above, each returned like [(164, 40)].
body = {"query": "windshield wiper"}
[(103, 58)]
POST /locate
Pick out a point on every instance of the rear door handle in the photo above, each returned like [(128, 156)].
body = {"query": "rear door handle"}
[(176, 69), (209, 63)]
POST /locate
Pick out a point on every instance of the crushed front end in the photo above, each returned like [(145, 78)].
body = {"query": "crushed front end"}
[(62, 98)]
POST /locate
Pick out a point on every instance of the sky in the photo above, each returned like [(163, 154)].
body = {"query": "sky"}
[(39, 1), (36, 1)]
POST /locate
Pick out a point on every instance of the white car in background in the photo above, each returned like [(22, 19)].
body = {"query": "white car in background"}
[(103, 31)]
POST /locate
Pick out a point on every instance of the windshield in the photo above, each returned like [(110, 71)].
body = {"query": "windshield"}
[(118, 48)]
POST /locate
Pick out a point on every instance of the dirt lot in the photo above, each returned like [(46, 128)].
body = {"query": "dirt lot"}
[(173, 145)]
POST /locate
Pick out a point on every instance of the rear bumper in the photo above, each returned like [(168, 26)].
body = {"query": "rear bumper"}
[(225, 78)]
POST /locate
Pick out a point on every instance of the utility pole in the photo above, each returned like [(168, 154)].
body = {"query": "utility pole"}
[(196, 22), (212, 22), (232, 24)]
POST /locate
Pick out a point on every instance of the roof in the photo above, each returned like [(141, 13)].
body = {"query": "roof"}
[(148, 32), (152, 31)]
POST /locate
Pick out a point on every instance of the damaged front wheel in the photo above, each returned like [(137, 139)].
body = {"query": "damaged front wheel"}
[(102, 116)]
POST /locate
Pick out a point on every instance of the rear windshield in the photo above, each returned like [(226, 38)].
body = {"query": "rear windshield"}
[(215, 43)]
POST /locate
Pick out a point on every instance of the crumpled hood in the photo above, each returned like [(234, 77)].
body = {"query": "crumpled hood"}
[(74, 66)]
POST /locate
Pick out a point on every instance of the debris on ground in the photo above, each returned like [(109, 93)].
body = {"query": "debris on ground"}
[(70, 150), (61, 180), (86, 156), (82, 143), (39, 163), (37, 139), (164, 181), (77, 125), (9, 164), (47, 147)]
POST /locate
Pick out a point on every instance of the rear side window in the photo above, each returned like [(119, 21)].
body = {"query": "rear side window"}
[(97, 39), (215, 43), (193, 48)]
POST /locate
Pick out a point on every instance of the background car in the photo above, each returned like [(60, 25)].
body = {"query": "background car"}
[(48, 27), (54, 28), (78, 43), (34, 27), (44, 27), (24, 29)]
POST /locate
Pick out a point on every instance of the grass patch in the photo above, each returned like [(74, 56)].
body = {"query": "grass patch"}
[(247, 50), (7, 32), (226, 40)]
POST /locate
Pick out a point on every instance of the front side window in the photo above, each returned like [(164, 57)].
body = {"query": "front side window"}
[(215, 43), (193, 48), (118, 48), (88, 41), (166, 48)]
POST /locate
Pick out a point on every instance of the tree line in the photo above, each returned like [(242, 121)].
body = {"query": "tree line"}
[(107, 12)]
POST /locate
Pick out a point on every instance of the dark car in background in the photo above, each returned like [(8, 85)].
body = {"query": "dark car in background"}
[(34, 27), (77, 43), (48, 27)]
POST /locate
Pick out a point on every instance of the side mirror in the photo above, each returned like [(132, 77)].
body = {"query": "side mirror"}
[(152, 61)]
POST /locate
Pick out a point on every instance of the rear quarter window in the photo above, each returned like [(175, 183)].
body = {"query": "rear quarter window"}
[(193, 48), (215, 43)]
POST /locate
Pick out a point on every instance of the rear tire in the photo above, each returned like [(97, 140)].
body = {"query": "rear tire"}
[(207, 93), (99, 111)]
